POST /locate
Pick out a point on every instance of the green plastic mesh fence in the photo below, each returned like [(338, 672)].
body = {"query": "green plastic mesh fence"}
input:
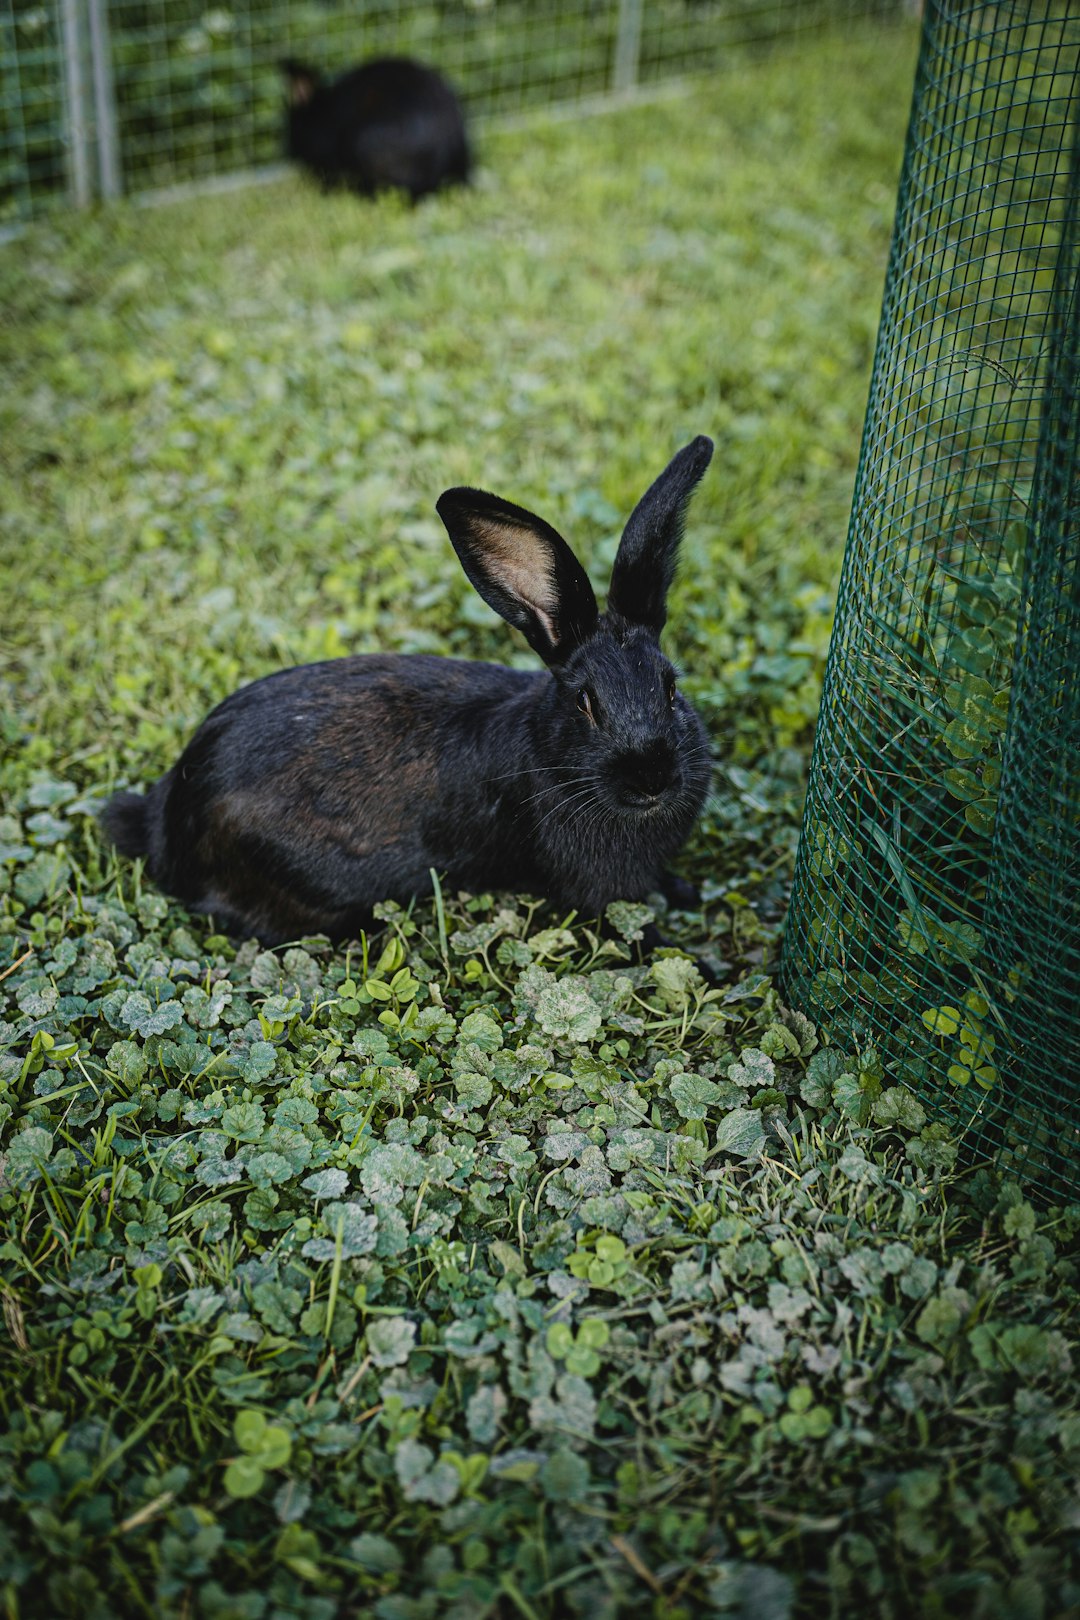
[(1034, 894), (935, 918)]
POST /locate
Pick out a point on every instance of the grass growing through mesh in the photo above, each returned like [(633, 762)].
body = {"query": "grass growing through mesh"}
[(479, 1269)]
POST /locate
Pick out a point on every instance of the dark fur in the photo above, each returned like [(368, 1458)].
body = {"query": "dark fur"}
[(391, 123), (309, 795)]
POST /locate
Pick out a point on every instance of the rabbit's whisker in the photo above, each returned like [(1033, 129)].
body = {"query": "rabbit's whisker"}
[(574, 803), (575, 782), (562, 802), (507, 776)]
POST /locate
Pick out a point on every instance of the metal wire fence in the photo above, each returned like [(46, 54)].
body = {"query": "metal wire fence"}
[(99, 97), (935, 920)]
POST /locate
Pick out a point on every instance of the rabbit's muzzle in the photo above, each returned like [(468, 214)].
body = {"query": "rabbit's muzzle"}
[(643, 775)]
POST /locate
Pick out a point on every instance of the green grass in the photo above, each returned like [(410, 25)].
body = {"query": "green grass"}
[(478, 1270)]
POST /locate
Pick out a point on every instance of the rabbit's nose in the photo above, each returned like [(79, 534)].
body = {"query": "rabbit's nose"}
[(647, 771)]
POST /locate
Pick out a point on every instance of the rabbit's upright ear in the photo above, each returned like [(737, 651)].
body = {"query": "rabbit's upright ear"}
[(645, 561), (522, 568), (301, 82)]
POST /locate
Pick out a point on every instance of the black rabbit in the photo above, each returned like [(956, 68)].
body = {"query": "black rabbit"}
[(313, 793), (390, 123)]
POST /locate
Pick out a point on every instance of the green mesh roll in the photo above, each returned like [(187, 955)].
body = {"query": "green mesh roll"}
[(935, 915), (1034, 893)]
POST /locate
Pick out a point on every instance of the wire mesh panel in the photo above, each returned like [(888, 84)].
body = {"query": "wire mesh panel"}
[(700, 36), (936, 908), (33, 164), (199, 91), (137, 94)]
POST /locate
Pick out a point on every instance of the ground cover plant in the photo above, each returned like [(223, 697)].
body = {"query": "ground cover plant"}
[(481, 1268)]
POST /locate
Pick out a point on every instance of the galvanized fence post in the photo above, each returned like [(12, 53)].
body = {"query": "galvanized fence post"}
[(110, 178), (77, 130)]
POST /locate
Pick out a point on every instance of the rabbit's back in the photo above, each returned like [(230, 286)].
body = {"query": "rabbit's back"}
[(312, 793)]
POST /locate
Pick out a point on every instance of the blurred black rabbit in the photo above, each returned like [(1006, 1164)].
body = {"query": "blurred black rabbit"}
[(311, 794), (390, 123)]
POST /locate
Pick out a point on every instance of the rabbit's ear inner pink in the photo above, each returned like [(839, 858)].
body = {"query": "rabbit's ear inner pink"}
[(523, 569), (301, 83)]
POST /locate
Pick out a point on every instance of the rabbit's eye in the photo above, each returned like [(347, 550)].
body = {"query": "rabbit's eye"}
[(584, 703), (671, 693)]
